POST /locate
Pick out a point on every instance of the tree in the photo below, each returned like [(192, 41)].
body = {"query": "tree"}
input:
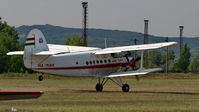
[(74, 40), (183, 62), (16, 64), (171, 58), (194, 65), (171, 55), (3, 58), (156, 58), (8, 42)]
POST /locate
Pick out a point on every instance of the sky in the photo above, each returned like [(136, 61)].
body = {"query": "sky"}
[(165, 16)]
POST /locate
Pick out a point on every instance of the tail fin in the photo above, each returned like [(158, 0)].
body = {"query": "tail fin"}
[(35, 42)]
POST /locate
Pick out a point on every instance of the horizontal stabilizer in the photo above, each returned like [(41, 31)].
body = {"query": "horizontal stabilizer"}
[(137, 72), (16, 53)]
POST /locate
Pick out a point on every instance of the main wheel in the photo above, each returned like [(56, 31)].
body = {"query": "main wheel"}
[(98, 87), (40, 78), (125, 88)]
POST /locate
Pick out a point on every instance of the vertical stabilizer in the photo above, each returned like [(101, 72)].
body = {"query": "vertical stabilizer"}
[(35, 42)]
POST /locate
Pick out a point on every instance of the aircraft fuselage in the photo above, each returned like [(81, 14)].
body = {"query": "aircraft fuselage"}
[(78, 64)]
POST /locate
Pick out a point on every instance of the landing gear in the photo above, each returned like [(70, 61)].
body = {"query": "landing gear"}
[(40, 78), (125, 88), (99, 87), (117, 80)]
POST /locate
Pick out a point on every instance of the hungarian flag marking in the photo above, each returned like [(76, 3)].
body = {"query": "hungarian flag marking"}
[(30, 41)]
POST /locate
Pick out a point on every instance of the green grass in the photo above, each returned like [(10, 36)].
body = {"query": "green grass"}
[(152, 93)]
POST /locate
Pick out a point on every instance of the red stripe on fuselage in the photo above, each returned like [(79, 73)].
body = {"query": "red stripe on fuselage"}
[(84, 67), (33, 38)]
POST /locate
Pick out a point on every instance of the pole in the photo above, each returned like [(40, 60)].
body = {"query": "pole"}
[(135, 43), (167, 49), (84, 35), (181, 37), (146, 41)]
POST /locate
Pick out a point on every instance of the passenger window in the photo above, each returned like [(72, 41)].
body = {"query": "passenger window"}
[(93, 61), (87, 62), (109, 60), (76, 62), (105, 61), (97, 61), (90, 62), (101, 61)]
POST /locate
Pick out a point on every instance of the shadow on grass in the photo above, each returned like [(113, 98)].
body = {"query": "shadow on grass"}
[(167, 92), (145, 92)]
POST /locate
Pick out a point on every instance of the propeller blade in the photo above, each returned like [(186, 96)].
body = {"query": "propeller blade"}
[(127, 58)]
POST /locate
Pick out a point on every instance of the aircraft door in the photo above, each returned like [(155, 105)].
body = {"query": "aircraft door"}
[(79, 63)]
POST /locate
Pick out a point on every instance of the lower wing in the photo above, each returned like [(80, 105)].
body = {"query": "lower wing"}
[(135, 72)]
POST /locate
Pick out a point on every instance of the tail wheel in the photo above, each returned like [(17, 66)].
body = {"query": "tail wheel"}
[(125, 88), (40, 78), (99, 87)]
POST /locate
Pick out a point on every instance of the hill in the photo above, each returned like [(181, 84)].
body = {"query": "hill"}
[(57, 34)]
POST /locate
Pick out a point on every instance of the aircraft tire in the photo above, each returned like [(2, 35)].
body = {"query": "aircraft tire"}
[(98, 87), (125, 88), (40, 78)]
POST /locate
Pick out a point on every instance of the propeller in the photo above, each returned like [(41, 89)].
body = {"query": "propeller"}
[(132, 64)]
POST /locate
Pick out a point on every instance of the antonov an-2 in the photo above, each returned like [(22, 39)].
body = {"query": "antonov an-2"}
[(104, 64)]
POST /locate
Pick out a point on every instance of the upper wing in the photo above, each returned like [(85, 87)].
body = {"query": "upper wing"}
[(67, 48), (136, 72), (57, 49), (134, 48), (47, 52), (60, 49)]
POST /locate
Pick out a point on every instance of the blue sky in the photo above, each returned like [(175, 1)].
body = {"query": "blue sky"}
[(164, 15)]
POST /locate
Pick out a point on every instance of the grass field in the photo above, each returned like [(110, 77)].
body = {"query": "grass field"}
[(152, 93)]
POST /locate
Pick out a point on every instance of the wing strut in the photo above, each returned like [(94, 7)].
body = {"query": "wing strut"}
[(142, 60)]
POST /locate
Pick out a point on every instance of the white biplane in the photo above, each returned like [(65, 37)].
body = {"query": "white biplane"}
[(104, 64)]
